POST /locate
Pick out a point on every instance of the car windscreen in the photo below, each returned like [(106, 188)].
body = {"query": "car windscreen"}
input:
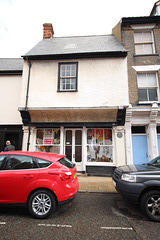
[(66, 162)]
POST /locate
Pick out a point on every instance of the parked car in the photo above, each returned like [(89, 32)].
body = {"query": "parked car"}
[(141, 184), (39, 180)]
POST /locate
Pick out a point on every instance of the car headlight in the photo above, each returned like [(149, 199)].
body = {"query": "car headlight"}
[(128, 177)]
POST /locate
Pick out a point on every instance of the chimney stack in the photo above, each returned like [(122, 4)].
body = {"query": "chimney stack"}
[(48, 31)]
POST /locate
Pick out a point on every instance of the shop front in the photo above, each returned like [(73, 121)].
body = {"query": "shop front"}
[(92, 146)]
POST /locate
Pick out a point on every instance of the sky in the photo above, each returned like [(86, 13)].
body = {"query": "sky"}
[(21, 21)]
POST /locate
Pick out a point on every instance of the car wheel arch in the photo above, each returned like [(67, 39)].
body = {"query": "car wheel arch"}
[(147, 189), (41, 188)]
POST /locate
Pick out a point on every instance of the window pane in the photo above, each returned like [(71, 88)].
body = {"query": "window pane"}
[(108, 136), (139, 49), (1, 160), (147, 49), (99, 153), (142, 94), (19, 162), (78, 137), (138, 37), (142, 79), (152, 82), (147, 37), (40, 134), (147, 80), (152, 94), (43, 163)]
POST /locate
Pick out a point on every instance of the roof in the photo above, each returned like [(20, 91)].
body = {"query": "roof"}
[(78, 46), (154, 8), (140, 20), (11, 65)]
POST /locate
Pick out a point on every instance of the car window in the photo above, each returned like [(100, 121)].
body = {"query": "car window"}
[(2, 157), (66, 162), (43, 163), (19, 162), (155, 162)]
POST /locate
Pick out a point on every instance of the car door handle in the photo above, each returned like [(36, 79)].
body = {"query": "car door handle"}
[(28, 176)]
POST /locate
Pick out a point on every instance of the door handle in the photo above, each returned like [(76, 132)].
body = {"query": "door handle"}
[(28, 176), (73, 155)]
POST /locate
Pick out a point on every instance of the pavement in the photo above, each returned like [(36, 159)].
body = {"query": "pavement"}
[(95, 184)]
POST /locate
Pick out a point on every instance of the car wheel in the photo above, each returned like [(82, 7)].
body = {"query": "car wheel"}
[(41, 204), (150, 205)]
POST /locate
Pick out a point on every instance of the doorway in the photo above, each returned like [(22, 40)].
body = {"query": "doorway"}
[(73, 146), (140, 150)]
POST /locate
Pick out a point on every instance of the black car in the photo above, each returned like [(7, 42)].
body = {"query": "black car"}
[(141, 184)]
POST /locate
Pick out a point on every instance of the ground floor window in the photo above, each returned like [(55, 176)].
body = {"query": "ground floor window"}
[(99, 145), (48, 140)]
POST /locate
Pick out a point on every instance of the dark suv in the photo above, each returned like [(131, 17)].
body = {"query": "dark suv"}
[(141, 184)]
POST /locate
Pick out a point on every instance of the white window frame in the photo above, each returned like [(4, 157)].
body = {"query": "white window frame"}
[(67, 79), (144, 28), (149, 69)]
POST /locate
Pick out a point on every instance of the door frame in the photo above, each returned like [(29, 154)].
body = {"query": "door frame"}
[(79, 165)]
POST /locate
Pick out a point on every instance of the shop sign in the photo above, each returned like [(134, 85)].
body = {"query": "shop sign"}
[(48, 137)]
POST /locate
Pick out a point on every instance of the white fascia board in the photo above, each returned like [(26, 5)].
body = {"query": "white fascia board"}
[(143, 26), (146, 68)]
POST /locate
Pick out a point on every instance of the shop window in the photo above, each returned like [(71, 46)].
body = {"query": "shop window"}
[(99, 145), (67, 80), (48, 140)]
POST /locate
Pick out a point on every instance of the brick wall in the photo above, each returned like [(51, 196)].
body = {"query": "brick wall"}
[(133, 60)]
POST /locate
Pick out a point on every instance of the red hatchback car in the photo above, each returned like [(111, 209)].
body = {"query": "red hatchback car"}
[(38, 180)]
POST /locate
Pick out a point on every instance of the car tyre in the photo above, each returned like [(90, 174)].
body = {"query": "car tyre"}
[(150, 205), (41, 204)]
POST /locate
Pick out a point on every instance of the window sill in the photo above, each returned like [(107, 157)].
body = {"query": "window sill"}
[(67, 91), (147, 103), (145, 55)]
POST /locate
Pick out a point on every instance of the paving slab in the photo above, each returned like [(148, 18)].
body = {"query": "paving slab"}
[(95, 184)]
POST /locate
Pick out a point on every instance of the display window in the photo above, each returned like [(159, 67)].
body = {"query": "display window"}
[(48, 140), (99, 145)]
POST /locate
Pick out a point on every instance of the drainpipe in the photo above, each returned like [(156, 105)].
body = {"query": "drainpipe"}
[(27, 93), (28, 143), (26, 106)]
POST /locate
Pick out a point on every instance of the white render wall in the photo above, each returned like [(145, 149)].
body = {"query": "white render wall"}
[(10, 91), (101, 82)]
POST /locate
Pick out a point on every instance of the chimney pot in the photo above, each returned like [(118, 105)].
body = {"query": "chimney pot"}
[(48, 31)]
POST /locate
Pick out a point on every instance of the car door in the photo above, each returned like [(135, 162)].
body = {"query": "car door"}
[(17, 178)]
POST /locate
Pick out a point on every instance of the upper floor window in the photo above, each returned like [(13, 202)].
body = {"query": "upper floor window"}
[(147, 87), (144, 43), (67, 80)]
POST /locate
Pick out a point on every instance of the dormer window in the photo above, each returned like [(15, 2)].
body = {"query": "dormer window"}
[(67, 80)]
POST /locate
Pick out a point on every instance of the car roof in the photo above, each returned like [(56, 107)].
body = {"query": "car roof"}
[(44, 155)]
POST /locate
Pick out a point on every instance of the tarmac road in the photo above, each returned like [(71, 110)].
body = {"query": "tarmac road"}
[(89, 216)]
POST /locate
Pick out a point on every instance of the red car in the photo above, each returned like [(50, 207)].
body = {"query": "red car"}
[(39, 180)]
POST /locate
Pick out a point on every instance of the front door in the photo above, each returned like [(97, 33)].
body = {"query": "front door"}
[(73, 146), (140, 150)]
